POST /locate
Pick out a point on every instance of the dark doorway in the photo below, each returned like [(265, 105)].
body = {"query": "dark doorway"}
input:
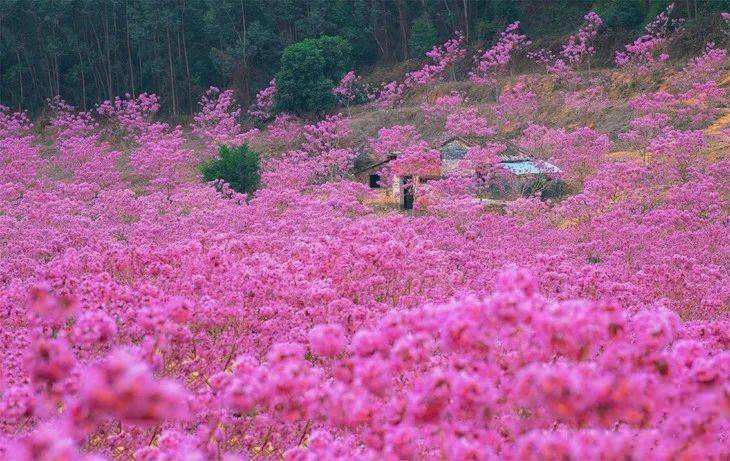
[(375, 181), (407, 188)]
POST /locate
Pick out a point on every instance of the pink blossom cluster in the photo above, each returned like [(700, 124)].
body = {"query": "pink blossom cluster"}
[(495, 60), (516, 103), (13, 123), (578, 153), (352, 89), (644, 128), (705, 67), (579, 46), (285, 129), (675, 153), (344, 89), (82, 151), (577, 50), (644, 53), (693, 96), (408, 153), (321, 156), (468, 122), (391, 140), (696, 106), (485, 162), (443, 105), (264, 104), (159, 156), (131, 113), (146, 315), (217, 121), (444, 57), (417, 159)]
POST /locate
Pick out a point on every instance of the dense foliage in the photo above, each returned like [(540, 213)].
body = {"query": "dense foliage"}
[(149, 315), (308, 73), (238, 167)]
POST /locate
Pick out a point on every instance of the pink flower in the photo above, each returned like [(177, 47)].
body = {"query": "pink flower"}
[(93, 327), (327, 340)]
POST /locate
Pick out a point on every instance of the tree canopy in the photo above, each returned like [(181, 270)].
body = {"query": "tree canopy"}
[(88, 51)]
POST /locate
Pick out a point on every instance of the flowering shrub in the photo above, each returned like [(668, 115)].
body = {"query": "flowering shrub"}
[(262, 108), (645, 128), (695, 107), (517, 103), (578, 152), (709, 66), (319, 158), (468, 122), (217, 120), (391, 140), (644, 53), (491, 63), (444, 57), (284, 129), (443, 105), (407, 152), (351, 90), (148, 315), (675, 152), (160, 156), (575, 52)]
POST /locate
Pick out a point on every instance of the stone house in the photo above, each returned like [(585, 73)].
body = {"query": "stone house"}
[(523, 174)]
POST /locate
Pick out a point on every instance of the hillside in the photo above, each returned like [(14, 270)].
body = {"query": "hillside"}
[(475, 261)]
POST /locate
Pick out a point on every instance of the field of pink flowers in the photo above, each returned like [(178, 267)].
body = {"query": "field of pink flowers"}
[(147, 315)]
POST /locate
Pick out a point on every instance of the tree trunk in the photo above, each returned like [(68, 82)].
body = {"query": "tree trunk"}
[(20, 79), (172, 75), (185, 57), (466, 21), (402, 24), (108, 54), (374, 17), (129, 48)]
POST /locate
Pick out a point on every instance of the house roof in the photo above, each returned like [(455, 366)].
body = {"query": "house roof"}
[(528, 166), (372, 166), (454, 150), (456, 147)]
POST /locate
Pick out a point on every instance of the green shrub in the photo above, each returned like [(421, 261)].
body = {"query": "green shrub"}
[(423, 36), (236, 165), (337, 54), (308, 72)]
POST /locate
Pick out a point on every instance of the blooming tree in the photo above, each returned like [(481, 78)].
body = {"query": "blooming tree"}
[(644, 53), (492, 63), (262, 108), (575, 52)]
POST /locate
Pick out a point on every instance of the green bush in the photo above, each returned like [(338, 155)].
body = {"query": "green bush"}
[(236, 165), (337, 54), (423, 36), (308, 72)]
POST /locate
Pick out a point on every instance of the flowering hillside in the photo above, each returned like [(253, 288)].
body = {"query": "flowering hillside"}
[(149, 315)]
